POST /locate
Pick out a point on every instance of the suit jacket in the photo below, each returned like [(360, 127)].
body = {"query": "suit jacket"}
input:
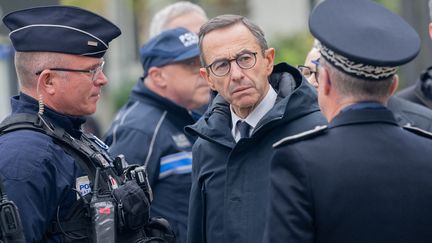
[(362, 179)]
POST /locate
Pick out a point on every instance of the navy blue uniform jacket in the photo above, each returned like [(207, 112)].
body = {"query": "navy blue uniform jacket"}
[(38, 175), (364, 179), (148, 130), (230, 180)]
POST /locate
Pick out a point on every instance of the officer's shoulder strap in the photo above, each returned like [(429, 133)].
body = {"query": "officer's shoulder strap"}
[(22, 121), (417, 130), (301, 136)]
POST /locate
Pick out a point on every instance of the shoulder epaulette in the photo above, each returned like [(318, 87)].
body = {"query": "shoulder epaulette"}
[(300, 136), (417, 130)]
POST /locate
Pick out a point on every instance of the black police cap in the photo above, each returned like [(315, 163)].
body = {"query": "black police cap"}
[(62, 29), (363, 38)]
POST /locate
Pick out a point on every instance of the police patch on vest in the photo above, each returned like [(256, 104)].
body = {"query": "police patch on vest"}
[(181, 141), (82, 185), (178, 163)]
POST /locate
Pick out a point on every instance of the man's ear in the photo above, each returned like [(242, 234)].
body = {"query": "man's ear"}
[(157, 77), (324, 81), (430, 30), (269, 55), (46, 83), (204, 72), (394, 85)]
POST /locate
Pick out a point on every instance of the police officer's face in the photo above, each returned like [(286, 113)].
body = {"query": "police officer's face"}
[(185, 86), (242, 88), (76, 93)]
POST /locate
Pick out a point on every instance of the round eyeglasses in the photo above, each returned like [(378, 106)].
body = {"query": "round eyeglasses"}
[(246, 60), (306, 71), (93, 72)]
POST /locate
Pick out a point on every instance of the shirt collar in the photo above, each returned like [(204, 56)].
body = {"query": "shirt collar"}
[(257, 114)]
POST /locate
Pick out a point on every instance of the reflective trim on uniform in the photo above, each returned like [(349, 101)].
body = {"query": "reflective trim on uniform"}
[(152, 143), (178, 163), (122, 118)]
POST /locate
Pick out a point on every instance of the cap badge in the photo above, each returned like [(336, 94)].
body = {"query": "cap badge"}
[(92, 43)]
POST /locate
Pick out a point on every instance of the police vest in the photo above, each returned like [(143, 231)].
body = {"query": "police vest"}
[(117, 209)]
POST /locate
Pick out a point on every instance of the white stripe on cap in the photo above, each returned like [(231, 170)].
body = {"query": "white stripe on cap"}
[(92, 53), (58, 26)]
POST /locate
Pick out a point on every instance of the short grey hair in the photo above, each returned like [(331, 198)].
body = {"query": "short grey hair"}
[(27, 64), (164, 16), (358, 88), (226, 20)]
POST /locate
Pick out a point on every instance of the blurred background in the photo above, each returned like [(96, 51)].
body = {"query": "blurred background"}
[(283, 21)]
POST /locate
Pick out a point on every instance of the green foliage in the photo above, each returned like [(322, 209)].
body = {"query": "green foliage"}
[(393, 5), (120, 95), (292, 49)]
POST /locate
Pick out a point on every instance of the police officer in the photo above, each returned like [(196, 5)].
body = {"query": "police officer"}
[(363, 178), (148, 129), (59, 63), (405, 111)]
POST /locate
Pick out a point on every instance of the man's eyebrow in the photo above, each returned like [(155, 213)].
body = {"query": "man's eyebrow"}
[(235, 56), (96, 64)]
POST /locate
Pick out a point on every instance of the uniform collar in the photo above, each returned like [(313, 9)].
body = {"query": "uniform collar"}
[(23, 103), (362, 116)]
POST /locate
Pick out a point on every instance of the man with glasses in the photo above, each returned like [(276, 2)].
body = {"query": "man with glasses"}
[(257, 104), (309, 69), (59, 63), (148, 129), (364, 178)]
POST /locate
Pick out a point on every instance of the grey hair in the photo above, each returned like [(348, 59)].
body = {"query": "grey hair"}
[(226, 20), (27, 64), (164, 16), (358, 88)]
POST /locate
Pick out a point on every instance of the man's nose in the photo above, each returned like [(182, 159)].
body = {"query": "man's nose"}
[(236, 71)]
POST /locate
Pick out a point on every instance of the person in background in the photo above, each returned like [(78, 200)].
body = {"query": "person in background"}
[(362, 178), (310, 66), (148, 129), (257, 104), (421, 91), (180, 14)]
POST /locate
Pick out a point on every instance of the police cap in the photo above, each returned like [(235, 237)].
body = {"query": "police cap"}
[(363, 38), (171, 46), (62, 29)]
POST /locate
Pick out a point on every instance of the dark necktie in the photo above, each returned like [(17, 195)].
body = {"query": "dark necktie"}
[(244, 129)]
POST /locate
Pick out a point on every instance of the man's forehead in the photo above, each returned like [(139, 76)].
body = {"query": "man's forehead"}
[(228, 42)]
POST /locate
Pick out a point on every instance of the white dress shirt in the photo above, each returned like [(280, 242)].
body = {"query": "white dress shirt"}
[(255, 116)]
